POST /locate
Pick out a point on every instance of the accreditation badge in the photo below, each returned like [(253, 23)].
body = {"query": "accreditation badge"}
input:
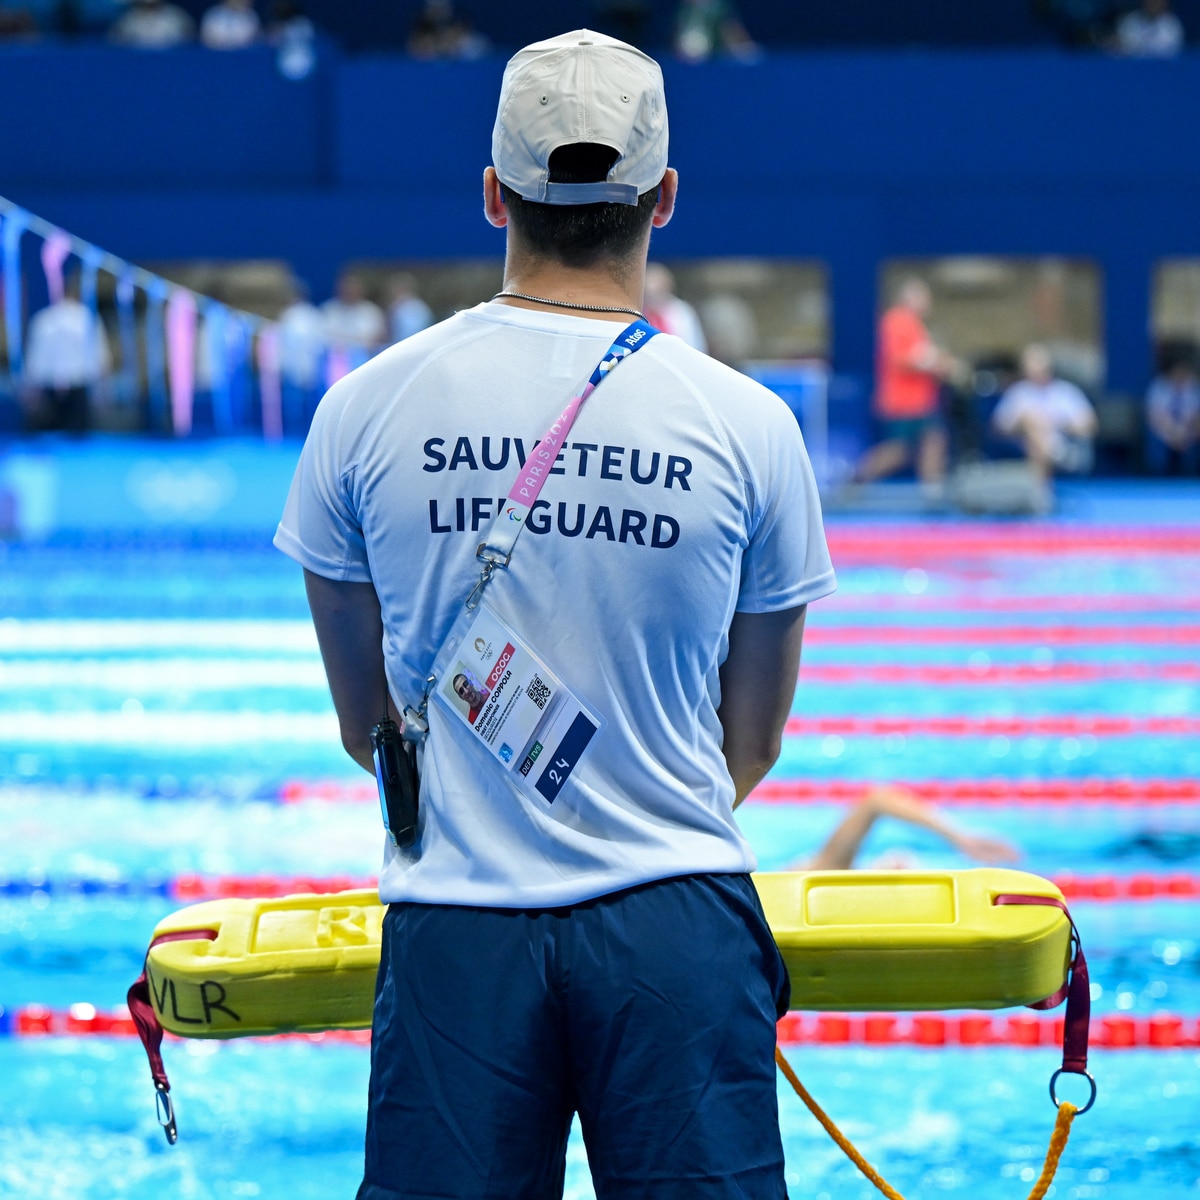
[(507, 697)]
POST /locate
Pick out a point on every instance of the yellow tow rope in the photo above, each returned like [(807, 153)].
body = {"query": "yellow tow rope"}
[(1058, 1139)]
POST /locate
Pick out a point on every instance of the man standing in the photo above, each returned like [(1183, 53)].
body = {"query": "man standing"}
[(67, 359), (595, 946), (910, 370)]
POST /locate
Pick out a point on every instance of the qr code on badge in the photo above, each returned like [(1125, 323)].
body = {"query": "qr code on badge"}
[(538, 691)]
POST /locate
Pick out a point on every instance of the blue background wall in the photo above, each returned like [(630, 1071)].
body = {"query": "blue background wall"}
[(384, 24), (851, 158)]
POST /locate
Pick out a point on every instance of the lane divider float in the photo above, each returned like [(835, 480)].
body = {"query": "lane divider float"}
[(996, 790), (1100, 634), (1048, 726), (1022, 1030), (1177, 885), (995, 674)]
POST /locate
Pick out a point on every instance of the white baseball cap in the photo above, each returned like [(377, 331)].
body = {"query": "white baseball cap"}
[(581, 87)]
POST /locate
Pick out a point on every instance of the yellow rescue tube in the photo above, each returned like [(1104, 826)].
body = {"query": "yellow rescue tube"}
[(882, 941), (852, 940)]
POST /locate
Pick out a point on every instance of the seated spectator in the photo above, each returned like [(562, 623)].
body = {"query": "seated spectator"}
[(230, 25), (67, 358), (666, 311), (1151, 31), (440, 32), (1173, 420), (153, 25), (707, 27), (1051, 418), (407, 312), (355, 328)]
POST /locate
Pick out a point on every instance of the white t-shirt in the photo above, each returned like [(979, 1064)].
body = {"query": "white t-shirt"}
[(359, 325), (224, 28), (1144, 36), (66, 347), (301, 343), (684, 494), (1060, 402)]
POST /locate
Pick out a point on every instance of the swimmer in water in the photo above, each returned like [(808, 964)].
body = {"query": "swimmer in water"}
[(842, 846)]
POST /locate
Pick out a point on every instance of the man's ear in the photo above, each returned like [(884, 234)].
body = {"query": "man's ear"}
[(667, 191), (493, 199)]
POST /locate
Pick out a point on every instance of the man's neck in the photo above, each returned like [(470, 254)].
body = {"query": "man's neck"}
[(593, 290)]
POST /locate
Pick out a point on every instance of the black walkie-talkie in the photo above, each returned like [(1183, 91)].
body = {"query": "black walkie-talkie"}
[(399, 787)]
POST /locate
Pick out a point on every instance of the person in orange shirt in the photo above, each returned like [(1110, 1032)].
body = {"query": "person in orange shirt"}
[(910, 371)]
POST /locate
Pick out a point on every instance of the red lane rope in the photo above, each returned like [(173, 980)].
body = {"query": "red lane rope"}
[(914, 542), (1104, 886), (1001, 674), (1114, 1031), (817, 634), (1057, 726), (1091, 790), (190, 889), (1149, 606)]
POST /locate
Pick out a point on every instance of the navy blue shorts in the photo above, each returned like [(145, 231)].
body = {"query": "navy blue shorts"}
[(650, 1012)]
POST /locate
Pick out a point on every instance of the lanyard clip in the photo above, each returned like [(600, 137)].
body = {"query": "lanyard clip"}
[(416, 722), (491, 559)]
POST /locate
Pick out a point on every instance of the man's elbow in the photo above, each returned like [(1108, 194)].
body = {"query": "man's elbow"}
[(750, 762), (356, 741)]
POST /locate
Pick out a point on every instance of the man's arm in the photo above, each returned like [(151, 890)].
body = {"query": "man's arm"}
[(350, 633), (758, 681)]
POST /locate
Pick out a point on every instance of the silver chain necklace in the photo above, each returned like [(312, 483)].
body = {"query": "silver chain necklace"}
[(633, 312)]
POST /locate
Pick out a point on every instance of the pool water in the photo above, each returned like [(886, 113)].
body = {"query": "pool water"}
[(161, 702)]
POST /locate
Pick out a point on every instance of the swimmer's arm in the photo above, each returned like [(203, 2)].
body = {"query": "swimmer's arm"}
[(844, 843), (758, 681), (350, 633)]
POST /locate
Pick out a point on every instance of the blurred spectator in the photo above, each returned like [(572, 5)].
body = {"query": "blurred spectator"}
[(1078, 23), (1173, 419), (1152, 30), (288, 21), (910, 370), (294, 37), (153, 25), (355, 328), (440, 32), (707, 27), (301, 356), (666, 311), (68, 19), (732, 327), (1051, 418), (623, 19), (407, 312), (67, 358), (17, 23), (230, 25)]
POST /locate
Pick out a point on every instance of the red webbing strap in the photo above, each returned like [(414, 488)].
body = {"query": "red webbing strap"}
[(1076, 991), (141, 1009)]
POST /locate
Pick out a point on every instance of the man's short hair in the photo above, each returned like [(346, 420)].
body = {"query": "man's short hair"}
[(580, 235)]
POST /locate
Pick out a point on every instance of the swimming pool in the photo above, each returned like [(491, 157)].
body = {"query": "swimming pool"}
[(164, 727)]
